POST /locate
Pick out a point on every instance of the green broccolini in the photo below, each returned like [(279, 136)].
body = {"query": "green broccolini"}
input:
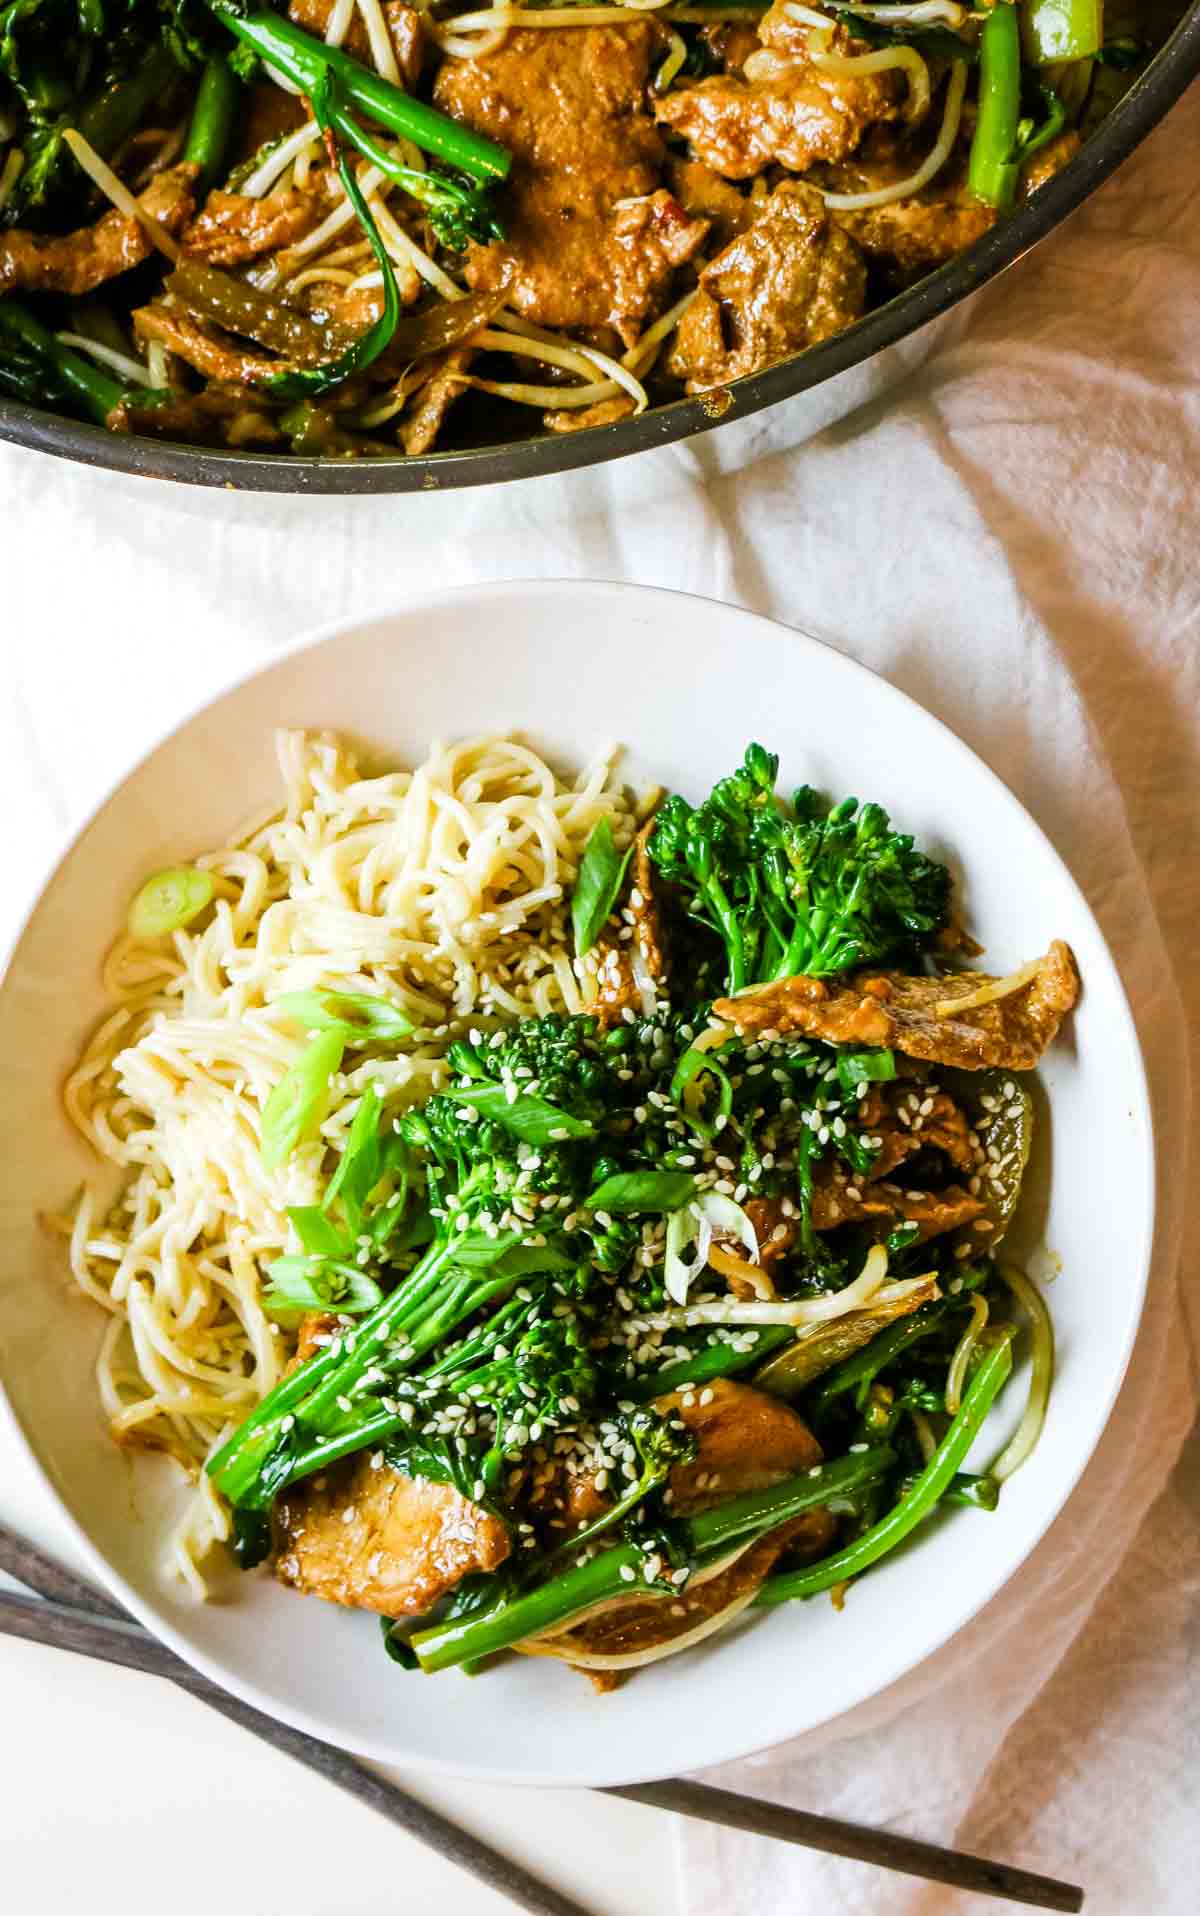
[(797, 888)]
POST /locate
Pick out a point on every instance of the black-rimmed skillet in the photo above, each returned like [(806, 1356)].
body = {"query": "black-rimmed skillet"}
[(1148, 101)]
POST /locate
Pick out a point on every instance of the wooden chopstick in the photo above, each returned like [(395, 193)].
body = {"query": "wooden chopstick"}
[(885, 1848), (68, 1614)]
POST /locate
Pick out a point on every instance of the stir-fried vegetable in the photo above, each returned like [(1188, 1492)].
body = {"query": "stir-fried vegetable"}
[(705, 1537), (799, 888), (1054, 30), (994, 167), (310, 64), (214, 112), (919, 1501), (39, 369), (300, 1099)]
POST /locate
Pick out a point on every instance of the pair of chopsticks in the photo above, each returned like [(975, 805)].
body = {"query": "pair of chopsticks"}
[(65, 1613)]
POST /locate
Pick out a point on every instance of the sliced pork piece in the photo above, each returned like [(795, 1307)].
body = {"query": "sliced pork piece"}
[(792, 279), (837, 1200), (908, 237), (917, 1016), (371, 1538), (592, 240), (745, 1441), (76, 263), (784, 111), (705, 195), (232, 228), (604, 413), (424, 421), (201, 347), (914, 1116)]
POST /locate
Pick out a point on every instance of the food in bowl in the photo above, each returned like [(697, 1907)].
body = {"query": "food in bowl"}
[(558, 1219), (370, 227)]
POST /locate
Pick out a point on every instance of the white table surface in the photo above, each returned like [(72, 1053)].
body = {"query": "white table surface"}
[(120, 1796), (1012, 536)]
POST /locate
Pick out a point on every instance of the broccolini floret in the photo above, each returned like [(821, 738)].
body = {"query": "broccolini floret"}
[(797, 889)]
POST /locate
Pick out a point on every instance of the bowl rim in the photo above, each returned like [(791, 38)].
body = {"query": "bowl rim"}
[(157, 1618), (1149, 99)]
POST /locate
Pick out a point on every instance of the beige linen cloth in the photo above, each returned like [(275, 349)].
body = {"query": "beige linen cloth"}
[(1012, 538)]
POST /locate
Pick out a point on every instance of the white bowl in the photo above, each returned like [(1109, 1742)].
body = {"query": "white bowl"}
[(685, 683)]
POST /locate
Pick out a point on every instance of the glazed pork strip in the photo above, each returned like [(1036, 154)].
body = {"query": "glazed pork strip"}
[(232, 228), (365, 1535), (792, 115), (76, 263), (905, 1013), (791, 279), (594, 237)]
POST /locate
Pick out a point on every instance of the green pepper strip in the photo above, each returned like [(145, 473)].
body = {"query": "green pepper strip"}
[(577, 1589), (213, 114), (994, 166), (303, 60), (926, 1492), (114, 112)]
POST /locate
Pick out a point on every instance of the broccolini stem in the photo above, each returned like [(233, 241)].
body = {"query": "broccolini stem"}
[(303, 60), (94, 391), (601, 1578), (213, 114), (994, 166), (714, 1360), (926, 1492), (857, 1373)]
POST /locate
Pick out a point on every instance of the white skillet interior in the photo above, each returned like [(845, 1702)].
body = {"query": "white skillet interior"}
[(684, 683)]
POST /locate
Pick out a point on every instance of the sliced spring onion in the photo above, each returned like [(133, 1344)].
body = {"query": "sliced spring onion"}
[(630, 1192), (168, 901), (1024, 1439), (684, 1228), (299, 1101), (598, 886), (687, 1089), (358, 1015), (532, 1120), (724, 1215)]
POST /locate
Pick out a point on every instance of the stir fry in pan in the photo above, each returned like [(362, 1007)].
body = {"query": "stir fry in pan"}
[(369, 226)]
